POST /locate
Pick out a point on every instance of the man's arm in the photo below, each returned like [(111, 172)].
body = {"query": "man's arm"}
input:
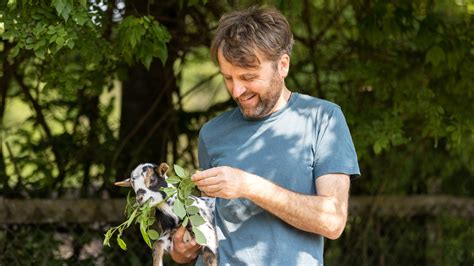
[(324, 214)]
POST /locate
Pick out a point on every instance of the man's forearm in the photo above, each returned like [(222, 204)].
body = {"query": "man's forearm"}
[(322, 214)]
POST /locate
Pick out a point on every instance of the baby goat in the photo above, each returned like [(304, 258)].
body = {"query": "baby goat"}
[(146, 180)]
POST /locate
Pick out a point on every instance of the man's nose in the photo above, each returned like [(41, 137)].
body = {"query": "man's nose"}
[(237, 89)]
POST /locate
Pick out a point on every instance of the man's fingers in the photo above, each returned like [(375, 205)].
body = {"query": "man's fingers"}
[(182, 235), (210, 181), (179, 234), (210, 189), (199, 175)]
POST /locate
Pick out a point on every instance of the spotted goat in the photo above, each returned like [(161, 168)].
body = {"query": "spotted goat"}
[(147, 180)]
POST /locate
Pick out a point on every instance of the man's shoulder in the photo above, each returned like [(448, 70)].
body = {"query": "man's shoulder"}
[(318, 104), (220, 121)]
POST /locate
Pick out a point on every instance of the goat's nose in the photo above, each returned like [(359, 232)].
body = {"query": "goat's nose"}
[(140, 195)]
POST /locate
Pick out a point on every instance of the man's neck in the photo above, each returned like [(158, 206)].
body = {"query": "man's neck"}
[(284, 98)]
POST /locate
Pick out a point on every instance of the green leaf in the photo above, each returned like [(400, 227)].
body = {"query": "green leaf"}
[(179, 171), (187, 185), (199, 236), (435, 56), (59, 5), (185, 221), (121, 243), (63, 7), (11, 4), (131, 218), (170, 191), (83, 3), (107, 237), (70, 44), (197, 220), (173, 180), (191, 210), (189, 202), (151, 221), (153, 234), (14, 52), (161, 51), (178, 209), (60, 41), (143, 231), (53, 38)]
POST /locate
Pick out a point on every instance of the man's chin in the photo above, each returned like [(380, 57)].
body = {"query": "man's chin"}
[(252, 114)]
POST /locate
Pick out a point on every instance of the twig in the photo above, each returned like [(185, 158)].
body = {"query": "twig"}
[(15, 165)]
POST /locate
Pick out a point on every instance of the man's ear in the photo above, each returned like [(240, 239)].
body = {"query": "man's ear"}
[(284, 65), (162, 169)]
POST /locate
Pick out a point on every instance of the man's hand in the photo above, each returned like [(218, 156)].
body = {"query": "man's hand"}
[(223, 182), (184, 250)]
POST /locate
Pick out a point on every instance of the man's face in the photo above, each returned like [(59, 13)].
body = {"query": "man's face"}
[(257, 90)]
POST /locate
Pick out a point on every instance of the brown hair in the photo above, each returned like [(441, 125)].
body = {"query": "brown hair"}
[(241, 34)]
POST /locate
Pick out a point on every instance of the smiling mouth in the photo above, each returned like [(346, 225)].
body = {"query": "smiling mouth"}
[(246, 98)]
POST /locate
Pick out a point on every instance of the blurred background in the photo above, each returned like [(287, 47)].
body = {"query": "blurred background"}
[(91, 88)]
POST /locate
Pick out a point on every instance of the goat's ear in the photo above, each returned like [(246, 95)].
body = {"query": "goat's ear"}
[(124, 183), (162, 169), (149, 173)]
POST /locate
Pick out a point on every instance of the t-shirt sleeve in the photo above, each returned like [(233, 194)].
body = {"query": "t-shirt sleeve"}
[(203, 155), (335, 152)]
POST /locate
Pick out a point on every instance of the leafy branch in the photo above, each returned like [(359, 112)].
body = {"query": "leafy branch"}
[(144, 215), (183, 206)]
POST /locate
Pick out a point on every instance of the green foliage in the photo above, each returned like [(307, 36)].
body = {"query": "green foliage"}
[(143, 38), (61, 58), (144, 215), (401, 71), (183, 205)]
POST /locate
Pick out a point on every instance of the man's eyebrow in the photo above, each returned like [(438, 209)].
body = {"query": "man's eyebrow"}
[(249, 75)]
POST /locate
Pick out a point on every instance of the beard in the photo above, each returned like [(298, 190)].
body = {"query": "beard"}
[(266, 102)]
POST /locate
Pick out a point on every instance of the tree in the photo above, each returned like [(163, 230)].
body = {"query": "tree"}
[(59, 57)]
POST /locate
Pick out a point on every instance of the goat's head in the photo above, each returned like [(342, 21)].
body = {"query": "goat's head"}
[(146, 180)]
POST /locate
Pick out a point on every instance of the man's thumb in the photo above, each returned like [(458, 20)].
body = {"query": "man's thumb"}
[(180, 233)]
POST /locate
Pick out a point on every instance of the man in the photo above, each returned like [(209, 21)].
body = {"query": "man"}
[(280, 164)]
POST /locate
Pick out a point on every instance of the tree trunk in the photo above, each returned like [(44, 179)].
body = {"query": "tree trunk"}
[(147, 111), (4, 83)]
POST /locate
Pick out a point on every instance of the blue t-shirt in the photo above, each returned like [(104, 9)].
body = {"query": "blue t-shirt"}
[(292, 147)]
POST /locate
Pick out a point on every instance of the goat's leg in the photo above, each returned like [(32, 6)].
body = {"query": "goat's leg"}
[(209, 258), (158, 249)]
